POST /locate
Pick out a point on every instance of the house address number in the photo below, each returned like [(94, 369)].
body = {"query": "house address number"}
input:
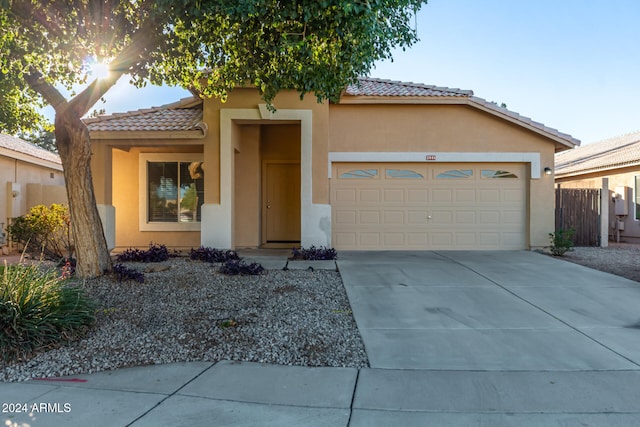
[(431, 156)]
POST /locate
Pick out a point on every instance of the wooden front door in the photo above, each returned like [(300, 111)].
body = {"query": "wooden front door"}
[(281, 203)]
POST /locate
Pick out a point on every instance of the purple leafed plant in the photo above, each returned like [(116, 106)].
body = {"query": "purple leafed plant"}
[(236, 267), (207, 254), (155, 253), (123, 273), (314, 254)]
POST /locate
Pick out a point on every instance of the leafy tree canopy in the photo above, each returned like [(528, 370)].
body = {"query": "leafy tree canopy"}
[(212, 46)]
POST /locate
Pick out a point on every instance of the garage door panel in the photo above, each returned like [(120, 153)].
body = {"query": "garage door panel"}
[(369, 239), (345, 195), (512, 195), (393, 240), (369, 217), (415, 206), (489, 217), (464, 195), (416, 217), (346, 217), (442, 195), (394, 218), (394, 195), (489, 195), (465, 217), (369, 195), (417, 195)]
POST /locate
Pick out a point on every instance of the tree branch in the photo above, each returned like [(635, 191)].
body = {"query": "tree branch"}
[(50, 94), (129, 56)]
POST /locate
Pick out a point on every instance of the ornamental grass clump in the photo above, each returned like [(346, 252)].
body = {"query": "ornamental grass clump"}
[(39, 310)]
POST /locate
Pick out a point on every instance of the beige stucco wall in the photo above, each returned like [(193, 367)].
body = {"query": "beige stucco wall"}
[(33, 183), (250, 99), (125, 199), (447, 128), (336, 128), (624, 177), (255, 145)]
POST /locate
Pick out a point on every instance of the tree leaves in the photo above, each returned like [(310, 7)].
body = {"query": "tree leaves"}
[(305, 45)]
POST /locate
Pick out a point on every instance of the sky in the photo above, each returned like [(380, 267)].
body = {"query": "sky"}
[(573, 65)]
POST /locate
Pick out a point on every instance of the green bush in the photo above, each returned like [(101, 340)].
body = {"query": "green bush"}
[(562, 241), (44, 230), (38, 310)]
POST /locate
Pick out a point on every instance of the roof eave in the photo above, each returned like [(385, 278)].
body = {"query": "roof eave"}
[(186, 134), (566, 142), (30, 159), (596, 170)]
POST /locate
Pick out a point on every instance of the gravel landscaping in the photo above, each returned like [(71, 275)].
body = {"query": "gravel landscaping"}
[(191, 312), (622, 259)]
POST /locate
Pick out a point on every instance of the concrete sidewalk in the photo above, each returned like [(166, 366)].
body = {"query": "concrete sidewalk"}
[(453, 338)]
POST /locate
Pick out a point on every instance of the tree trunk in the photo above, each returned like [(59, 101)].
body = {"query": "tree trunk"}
[(74, 147)]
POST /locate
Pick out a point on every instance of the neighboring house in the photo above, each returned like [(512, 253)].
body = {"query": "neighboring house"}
[(618, 160), (391, 165), (29, 176)]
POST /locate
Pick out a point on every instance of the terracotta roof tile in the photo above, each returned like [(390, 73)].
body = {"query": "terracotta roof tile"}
[(378, 87), (185, 115), (23, 147), (619, 151)]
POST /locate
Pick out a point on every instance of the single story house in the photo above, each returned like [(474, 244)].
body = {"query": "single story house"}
[(29, 176), (390, 165), (617, 160)]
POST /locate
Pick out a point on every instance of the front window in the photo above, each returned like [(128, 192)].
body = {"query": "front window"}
[(175, 191), (171, 189)]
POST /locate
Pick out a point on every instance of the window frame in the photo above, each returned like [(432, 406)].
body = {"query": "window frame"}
[(143, 188)]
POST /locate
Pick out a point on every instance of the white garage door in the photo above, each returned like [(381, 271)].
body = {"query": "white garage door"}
[(429, 206)]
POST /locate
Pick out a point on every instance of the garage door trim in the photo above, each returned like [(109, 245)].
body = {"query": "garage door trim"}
[(533, 159)]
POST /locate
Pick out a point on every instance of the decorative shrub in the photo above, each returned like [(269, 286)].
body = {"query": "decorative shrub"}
[(44, 231), (155, 253), (122, 273), (38, 310), (213, 255), (235, 267), (562, 241), (313, 253)]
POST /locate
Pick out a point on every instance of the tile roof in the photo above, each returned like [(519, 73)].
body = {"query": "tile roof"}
[(184, 115), (611, 153), (23, 147), (372, 87), (368, 86)]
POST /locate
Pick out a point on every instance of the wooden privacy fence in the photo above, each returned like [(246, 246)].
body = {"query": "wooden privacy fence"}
[(579, 209)]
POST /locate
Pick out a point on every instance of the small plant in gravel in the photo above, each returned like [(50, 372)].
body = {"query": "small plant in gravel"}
[(122, 273), (313, 254), (208, 254), (562, 241), (39, 310), (236, 267), (155, 253)]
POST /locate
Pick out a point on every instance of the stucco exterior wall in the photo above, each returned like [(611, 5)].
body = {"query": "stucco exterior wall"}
[(447, 128), (33, 184), (127, 203)]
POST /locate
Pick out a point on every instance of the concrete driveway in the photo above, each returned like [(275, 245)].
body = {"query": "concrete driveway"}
[(502, 338)]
